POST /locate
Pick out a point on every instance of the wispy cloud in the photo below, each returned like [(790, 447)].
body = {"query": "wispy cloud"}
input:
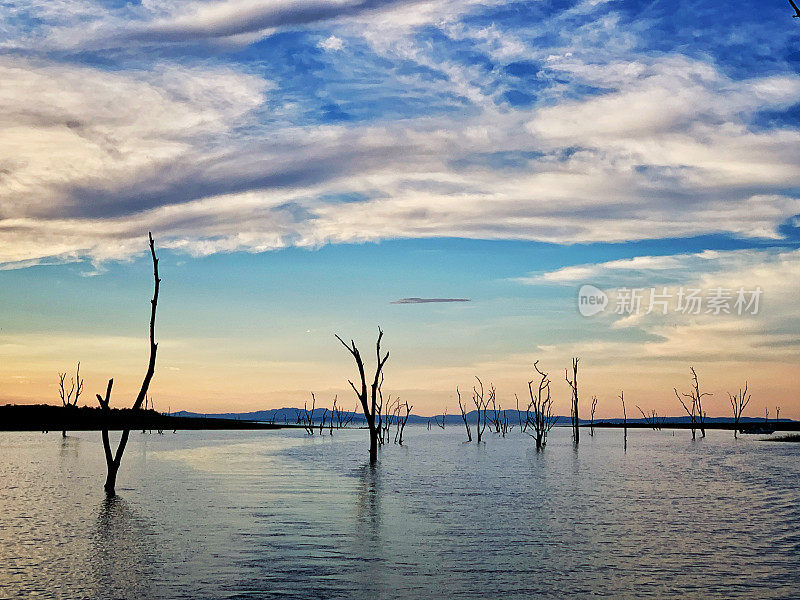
[(506, 132), (428, 300)]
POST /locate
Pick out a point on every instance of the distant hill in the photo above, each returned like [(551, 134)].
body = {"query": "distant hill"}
[(289, 415)]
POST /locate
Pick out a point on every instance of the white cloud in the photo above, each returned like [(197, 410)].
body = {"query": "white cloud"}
[(331, 44), (772, 334), (91, 159)]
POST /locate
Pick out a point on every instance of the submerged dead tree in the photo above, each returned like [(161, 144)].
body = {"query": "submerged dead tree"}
[(464, 416), (444, 419), (539, 414), (591, 423), (523, 425), (113, 459), (739, 402), (573, 384), (624, 422), (369, 397), (76, 388), (401, 422), (306, 417), (481, 405), (652, 419), (697, 414)]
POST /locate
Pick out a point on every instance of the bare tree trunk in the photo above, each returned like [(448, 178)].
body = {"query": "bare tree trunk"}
[(738, 403), (624, 422), (481, 405), (697, 414), (541, 406), (369, 403), (113, 460), (573, 384), (67, 401), (464, 416)]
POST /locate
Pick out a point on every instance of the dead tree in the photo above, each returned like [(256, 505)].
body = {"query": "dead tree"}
[(306, 418), (369, 398), (495, 416), (697, 414), (401, 422), (481, 404), (591, 423), (573, 384), (738, 403), (391, 417), (499, 418), (464, 416), (539, 414), (624, 422), (523, 425), (652, 419), (444, 418), (504, 426), (343, 418), (113, 459), (76, 388)]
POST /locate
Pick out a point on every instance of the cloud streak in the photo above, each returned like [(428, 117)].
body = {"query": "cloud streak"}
[(428, 300), (590, 138)]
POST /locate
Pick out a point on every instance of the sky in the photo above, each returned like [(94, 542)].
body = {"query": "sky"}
[(318, 167)]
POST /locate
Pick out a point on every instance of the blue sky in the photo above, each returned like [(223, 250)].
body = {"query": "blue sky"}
[(303, 165)]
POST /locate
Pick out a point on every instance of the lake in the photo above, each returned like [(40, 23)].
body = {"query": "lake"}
[(278, 514)]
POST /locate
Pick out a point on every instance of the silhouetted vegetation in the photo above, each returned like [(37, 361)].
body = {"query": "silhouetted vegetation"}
[(464, 416), (573, 384), (652, 419), (481, 404), (625, 422), (369, 400), (697, 414), (69, 398), (739, 402), (46, 417), (113, 459), (539, 414)]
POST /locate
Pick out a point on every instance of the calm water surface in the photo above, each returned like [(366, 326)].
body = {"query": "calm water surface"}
[(277, 514)]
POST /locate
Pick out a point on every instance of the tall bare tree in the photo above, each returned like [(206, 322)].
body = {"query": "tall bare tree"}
[(369, 397), (739, 402), (402, 419), (594, 406), (464, 416), (573, 384), (697, 414), (76, 388), (539, 414), (624, 422), (113, 459), (481, 404)]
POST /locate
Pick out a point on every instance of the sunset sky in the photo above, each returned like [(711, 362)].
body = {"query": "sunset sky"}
[(304, 165)]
